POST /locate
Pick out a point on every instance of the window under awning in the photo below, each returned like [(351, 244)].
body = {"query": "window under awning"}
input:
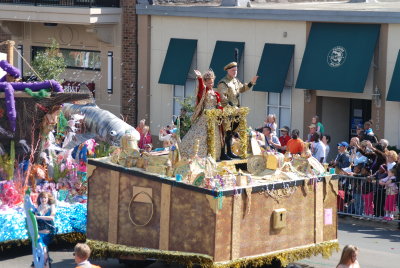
[(338, 57), (177, 61), (273, 68), (224, 53), (394, 89)]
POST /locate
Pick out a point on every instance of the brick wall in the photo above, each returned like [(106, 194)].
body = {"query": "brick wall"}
[(129, 62)]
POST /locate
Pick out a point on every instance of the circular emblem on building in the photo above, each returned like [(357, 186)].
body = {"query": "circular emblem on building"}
[(336, 56)]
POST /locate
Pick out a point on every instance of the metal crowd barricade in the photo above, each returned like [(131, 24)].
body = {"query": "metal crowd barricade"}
[(365, 197)]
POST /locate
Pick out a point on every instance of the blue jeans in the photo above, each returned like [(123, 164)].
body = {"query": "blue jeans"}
[(358, 204)]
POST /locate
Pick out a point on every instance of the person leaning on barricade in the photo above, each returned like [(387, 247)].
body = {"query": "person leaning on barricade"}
[(342, 167), (342, 160), (376, 154)]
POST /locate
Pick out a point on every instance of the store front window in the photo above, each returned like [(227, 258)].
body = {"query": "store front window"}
[(280, 104), (76, 59)]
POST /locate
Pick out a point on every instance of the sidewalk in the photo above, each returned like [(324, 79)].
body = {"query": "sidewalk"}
[(368, 221)]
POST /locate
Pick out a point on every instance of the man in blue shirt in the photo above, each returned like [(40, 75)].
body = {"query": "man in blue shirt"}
[(270, 139)]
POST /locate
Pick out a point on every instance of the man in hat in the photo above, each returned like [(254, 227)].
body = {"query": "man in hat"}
[(342, 160), (229, 89), (284, 138)]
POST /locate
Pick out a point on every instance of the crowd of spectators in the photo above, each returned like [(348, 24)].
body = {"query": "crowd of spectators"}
[(370, 171)]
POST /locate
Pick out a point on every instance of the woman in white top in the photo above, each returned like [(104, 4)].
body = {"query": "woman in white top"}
[(326, 139)]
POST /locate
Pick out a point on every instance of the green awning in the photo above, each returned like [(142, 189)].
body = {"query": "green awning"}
[(394, 89), (224, 53), (177, 61), (273, 68), (338, 57)]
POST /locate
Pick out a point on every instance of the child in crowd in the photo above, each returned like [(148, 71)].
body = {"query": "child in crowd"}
[(165, 137), (367, 189), (81, 255), (271, 122), (349, 257), (391, 194), (169, 138), (391, 159), (318, 124), (356, 186), (369, 133), (379, 195), (148, 148)]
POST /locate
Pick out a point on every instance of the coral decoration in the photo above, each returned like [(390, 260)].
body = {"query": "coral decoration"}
[(9, 196)]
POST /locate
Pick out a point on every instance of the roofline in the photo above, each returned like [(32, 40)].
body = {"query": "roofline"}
[(318, 15)]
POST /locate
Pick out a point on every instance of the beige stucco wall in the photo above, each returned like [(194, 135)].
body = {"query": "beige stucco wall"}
[(254, 33), (392, 111), (85, 38)]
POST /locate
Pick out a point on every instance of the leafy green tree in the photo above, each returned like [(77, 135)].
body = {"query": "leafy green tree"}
[(50, 63), (185, 122)]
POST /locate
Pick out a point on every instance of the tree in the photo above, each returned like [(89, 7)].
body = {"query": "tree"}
[(49, 64)]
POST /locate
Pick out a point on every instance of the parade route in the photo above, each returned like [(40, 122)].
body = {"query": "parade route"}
[(378, 243), (379, 246)]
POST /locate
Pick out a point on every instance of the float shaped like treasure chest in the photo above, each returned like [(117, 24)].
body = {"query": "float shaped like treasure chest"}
[(157, 164)]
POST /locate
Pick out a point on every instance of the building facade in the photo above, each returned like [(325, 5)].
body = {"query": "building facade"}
[(335, 60), (97, 39)]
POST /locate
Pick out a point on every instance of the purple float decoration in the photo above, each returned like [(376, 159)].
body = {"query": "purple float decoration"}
[(10, 104), (37, 86), (9, 89), (9, 69)]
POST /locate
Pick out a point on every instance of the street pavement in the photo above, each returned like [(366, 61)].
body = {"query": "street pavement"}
[(378, 243)]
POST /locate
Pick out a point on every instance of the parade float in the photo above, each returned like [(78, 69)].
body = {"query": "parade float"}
[(266, 206), (29, 114), (263, 207), (46, 138)]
